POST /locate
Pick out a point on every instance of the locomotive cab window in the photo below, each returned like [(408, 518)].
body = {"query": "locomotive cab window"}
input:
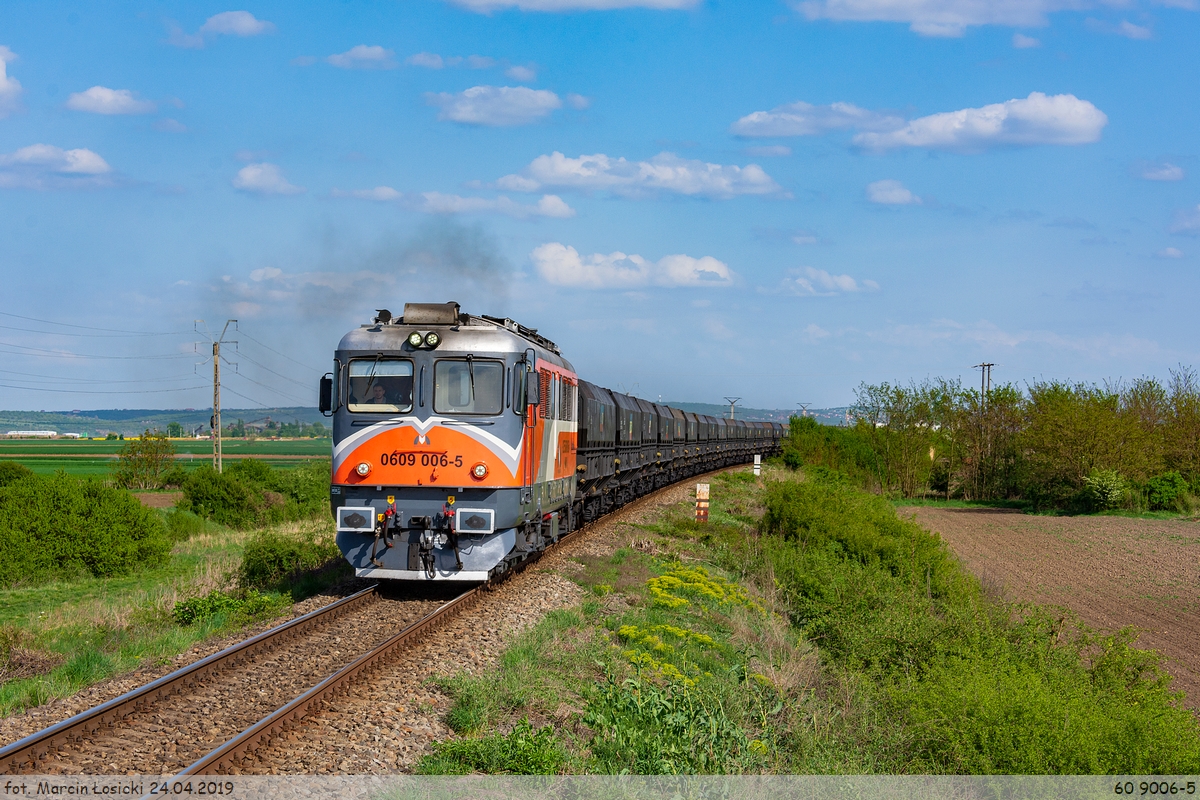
[(380, 385), (462, 386)]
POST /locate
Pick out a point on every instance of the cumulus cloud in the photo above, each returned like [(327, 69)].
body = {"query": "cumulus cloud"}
[(264, 178), (818, 282), (488, 6), (102, 100), (666, 172), (44, 166), (805, 119), (364, 56), (549, 205), (520, 73), (227, 23), (1169, 252), (1023, 42), (562, 265), (939, 17), (769, 151), (427, 60), (496, 106), (10, 88), (1123, 28), (578, 101), (891, 193), (1187, 222), (1161, 172), (1061, 119)]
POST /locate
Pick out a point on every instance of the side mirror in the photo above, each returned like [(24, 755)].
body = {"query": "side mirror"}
[(325, 399), (533, 389)]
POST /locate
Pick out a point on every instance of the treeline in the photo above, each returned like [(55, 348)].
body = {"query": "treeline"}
[(1070, 446)]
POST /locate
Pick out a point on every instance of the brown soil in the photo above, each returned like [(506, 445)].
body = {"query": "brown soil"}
[(1111, 571), (158, 499)]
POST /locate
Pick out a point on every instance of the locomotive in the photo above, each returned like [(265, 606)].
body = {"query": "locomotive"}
[(463, 444)]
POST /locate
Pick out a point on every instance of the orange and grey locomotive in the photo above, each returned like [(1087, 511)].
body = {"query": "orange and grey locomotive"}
[(462, 444)]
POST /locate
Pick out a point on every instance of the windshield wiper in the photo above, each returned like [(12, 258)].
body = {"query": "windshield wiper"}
[(471, 373)]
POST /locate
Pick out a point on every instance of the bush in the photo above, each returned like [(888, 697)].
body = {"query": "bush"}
[(251, 494), (1166, 491), (244, 607), (11, 472), (274, 560), (183, 525), (523, 751), (143, 461), (1103, 489), (63, 526)]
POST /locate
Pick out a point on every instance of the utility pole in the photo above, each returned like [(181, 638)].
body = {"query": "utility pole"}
[(218, 461), (985, 449), (732, 402)]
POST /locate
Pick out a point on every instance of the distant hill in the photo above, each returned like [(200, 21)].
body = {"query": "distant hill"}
[(133, 421)]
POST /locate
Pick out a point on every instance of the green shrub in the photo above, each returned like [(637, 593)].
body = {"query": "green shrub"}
[(523, 751), (251, 494), (1166, 491), (242, 607), (273, 560), (64, 526), (1103, 489), (11, 472), (183, 525)]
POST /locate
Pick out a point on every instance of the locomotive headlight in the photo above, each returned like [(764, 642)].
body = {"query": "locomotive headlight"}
[(363, 469), (414, 339), (479, 471), (432, 339)]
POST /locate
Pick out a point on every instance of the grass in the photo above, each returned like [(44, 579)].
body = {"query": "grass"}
[(99, 457), (807, 629), (84, 631)]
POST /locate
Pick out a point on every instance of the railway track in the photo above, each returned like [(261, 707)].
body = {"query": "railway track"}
[(211, 716)]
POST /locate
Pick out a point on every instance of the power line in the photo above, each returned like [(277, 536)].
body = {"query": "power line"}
[(60, 379), (276, 352), (91, 335), (93, 391), (244, 397), (270, 388), (62, 354), (89, 328), (273, 372)]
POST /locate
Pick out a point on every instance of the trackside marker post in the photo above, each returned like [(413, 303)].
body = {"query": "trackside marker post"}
[(758, 465), (701, 502)]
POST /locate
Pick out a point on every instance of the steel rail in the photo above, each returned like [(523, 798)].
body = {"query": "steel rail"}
[(230, 754), (27, 752)]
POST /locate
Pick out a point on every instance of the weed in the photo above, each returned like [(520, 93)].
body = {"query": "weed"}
[(523, 751)]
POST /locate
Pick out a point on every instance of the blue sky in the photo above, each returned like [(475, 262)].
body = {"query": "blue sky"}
[(694, 198)]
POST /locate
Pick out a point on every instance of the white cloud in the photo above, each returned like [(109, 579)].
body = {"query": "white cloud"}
[(495, 105), (364, 56), (804, 238), (44, 166), (891, 193), (1169, 252), (227, 23), (1023, 42), (10, 88), (265, 274), (805, 119), (168, 125), (382, 194), (1161, 172), (578, 101), (438, 203), (1187, 222), (427, 60), (819, 282), (562, 265), (769, 151), (264, 178), (523, 74), (939, 17), (1038, 119), (1123, 28), (102, 100), (488, 6), (814, 332), (665, 172), (481, 62)]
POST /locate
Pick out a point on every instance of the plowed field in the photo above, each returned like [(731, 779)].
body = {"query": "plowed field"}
[(1111, 571)]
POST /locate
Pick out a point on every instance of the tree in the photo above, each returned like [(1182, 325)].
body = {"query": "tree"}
[(143, 461), (175, 430)]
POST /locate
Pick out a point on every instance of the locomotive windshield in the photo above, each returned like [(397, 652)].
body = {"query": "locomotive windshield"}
[(381, 385), (468, 386)]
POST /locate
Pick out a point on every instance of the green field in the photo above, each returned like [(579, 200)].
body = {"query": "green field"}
[(97, 457)]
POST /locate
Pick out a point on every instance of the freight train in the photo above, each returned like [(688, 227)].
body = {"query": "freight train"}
[(463, 444)]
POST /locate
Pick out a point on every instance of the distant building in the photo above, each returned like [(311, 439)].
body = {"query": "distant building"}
[(32, 434)]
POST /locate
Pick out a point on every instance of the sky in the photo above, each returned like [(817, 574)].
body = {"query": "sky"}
[(694, 198)]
